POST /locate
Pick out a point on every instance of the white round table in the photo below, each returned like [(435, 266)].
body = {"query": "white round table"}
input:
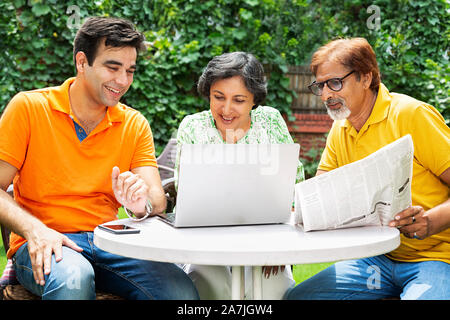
[(237, 246)]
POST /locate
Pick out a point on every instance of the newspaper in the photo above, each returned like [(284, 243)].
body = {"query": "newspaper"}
[(369, 191)]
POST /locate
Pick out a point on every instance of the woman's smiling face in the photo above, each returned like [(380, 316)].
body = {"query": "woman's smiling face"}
[(231, 103)]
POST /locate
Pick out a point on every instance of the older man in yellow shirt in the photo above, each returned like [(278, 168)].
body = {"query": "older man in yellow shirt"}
[(367, 117)]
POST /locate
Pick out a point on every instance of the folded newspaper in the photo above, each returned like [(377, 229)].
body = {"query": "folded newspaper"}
[(366, 192)]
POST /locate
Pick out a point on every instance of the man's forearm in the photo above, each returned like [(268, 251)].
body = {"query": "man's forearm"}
[(158, 200), (15, 218), (439, 218), (319, 172)]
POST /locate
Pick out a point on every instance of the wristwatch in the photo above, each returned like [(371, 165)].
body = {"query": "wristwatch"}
[(148, 211)]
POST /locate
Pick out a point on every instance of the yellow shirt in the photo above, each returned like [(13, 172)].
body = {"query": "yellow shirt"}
[(393, 116)]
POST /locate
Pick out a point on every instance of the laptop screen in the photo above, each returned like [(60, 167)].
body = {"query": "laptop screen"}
[(234, 184)]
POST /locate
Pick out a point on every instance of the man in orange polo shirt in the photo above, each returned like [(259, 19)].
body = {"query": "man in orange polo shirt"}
[(76, 155), (367, 117)]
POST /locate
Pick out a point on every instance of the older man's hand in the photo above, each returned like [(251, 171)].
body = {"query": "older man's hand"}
[(412, 222)]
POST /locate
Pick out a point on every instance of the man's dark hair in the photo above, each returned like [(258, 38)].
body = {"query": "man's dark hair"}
[(233, 64), (116, 32)]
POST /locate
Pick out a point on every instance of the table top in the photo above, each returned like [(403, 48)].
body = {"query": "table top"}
[(258, 245)]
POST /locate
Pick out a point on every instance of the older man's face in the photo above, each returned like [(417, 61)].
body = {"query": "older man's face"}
[(346, 102)]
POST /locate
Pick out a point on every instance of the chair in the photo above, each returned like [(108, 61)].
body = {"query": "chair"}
[(171, 193), (166, 160), (166, 166)]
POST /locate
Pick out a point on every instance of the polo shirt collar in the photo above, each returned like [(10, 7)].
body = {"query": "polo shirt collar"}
[(59, 97), (380, 109), (59, 100), (116, 113)]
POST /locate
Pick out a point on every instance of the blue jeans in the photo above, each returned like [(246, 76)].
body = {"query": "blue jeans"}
[(77, 275), (377, 278)]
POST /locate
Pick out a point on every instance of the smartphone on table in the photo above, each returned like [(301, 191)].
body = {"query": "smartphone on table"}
[(119, 228)]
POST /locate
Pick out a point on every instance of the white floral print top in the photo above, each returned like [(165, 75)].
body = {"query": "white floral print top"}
[(267, 126)]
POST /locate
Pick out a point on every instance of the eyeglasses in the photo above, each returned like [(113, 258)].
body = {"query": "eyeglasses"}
[(334, 84)]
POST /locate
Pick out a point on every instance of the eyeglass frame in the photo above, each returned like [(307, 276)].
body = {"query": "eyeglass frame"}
[(326, 82)]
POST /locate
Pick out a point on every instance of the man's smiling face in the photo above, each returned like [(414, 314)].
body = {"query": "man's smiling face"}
[(110, 75)]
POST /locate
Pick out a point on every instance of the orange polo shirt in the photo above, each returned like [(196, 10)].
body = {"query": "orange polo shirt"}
[(62, 181)]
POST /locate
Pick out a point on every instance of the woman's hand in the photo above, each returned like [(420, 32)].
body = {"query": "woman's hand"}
[(267, 270)]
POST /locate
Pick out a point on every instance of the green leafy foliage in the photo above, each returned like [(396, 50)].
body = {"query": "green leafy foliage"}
[(36, 39), (311, 161), (185, 35)]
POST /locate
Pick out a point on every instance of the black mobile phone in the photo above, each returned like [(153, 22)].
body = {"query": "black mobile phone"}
[(119, 228)]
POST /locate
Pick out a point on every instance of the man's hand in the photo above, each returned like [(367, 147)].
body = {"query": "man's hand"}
[(42, 243), (130, 190), (412, 222)]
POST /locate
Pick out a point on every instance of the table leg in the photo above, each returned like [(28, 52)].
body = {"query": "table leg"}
[(242, 283), (237, 285), (257, 282)]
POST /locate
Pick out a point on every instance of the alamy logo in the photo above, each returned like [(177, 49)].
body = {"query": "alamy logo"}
[(374, 279), (374, 21), (267, 156), (74, 20), (73, 281)]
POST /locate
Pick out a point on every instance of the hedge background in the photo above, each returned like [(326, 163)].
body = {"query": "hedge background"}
[(411, 40)]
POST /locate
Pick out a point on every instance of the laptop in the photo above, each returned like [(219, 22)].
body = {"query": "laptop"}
[(234, 184)]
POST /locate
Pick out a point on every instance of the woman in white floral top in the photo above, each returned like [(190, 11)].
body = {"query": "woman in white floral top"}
[(235, 86)]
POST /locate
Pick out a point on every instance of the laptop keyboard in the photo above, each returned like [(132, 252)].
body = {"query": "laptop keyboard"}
[(168, 217)]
